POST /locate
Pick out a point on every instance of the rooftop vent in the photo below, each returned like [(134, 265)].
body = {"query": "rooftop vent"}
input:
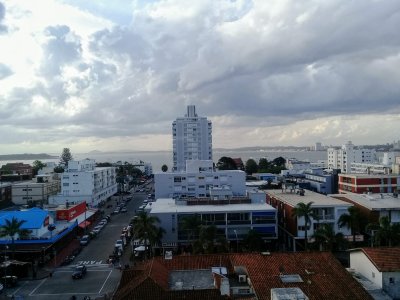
[(242, 278), (291, 278)]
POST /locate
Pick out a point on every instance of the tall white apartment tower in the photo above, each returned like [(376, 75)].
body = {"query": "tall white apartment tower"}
[(192, 139)]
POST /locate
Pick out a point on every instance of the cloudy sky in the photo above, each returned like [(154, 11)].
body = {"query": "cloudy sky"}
[(113, 75)]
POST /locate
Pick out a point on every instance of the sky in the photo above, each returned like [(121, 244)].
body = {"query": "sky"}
[(114, 75)]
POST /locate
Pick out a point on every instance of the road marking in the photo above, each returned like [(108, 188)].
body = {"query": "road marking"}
[(37, 287), (90, 262), (105, 281)]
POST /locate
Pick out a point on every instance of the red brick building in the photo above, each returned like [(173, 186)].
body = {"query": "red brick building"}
[(363, 183)]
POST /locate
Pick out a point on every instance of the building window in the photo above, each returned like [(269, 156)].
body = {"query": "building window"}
[(391, 280), (373, 275)]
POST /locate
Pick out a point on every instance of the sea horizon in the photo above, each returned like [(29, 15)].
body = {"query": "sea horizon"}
[(159, 158)]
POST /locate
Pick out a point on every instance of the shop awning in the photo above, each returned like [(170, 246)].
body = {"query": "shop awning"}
[(84, 224)]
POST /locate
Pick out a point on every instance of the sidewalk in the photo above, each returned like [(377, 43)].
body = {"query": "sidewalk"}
[(47, 269)]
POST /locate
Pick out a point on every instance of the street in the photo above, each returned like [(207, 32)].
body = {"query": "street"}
[(101, 279)]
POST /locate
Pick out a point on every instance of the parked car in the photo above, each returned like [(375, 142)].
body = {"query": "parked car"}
[(76, 251), (124, 210), (116, 211), (9, 281), (67, 260), (84, 240), (97, 229), (119, 244), (79, 272)]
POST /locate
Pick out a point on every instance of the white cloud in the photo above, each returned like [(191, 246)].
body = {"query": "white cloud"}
[(272, 72)]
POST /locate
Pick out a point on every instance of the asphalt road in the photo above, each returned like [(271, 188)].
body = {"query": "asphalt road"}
[(101, 279)]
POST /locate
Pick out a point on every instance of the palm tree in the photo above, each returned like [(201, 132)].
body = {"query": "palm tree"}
[(191, 224), (145, 229), (12, 228), (386, 234), (253, 241), (206, 241), (351, 220), (326, 238), (305, 211)]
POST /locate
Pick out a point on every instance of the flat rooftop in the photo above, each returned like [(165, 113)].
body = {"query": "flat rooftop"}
[(191, 279), (362, 175), (372, 201), (293, 199), (168, 205)]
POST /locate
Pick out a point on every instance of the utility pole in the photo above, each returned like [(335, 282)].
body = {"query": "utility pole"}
[(237, 241)]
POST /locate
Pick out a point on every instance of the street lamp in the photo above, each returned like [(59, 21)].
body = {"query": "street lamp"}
[(5, 266), (237, 241)]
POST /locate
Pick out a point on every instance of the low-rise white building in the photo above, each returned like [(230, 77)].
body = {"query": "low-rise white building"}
[(327, 209), (348, 154), (197, 181), (82, 181), (379, 265), (34, 192), (233, 217)]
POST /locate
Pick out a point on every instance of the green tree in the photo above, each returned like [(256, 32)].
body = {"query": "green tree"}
[(59, 169), (385, 233), (351, 220), (13, 228), (5, 170), (253, 241), (263, 165), (305, 211), (145, 230), (103, 164), (191, 225), (326, 239), (37, 165), (279, 162), (65, 157), (251, 166), (207, 239), (226, 163), (164, 168)]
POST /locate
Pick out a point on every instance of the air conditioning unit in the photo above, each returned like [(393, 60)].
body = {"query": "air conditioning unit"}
[(242, 278)]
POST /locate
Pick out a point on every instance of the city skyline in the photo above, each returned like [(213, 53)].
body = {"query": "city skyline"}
[(95, 76)]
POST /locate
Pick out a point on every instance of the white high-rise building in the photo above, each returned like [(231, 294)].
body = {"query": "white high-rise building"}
[(192, 139), (344, 157)]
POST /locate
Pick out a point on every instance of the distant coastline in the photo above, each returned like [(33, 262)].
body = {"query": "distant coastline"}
[(26, 156)]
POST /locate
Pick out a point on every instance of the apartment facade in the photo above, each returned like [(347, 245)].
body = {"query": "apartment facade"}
[(35, 192), (82, 181), (198, 180), (374, 206), (191, 139), (348, 154), (364, 183), (233, 217), (293, 229)]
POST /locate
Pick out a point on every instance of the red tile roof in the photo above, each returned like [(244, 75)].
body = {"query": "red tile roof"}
[(323, 276), (385, 259)]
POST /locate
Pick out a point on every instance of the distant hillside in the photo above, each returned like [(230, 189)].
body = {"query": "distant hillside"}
[(26, 156)]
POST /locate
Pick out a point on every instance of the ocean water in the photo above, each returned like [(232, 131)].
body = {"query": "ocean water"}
[(158, 158)]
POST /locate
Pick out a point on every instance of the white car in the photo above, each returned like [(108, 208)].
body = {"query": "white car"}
[(97, 229), (84, 240), (119, 244)]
